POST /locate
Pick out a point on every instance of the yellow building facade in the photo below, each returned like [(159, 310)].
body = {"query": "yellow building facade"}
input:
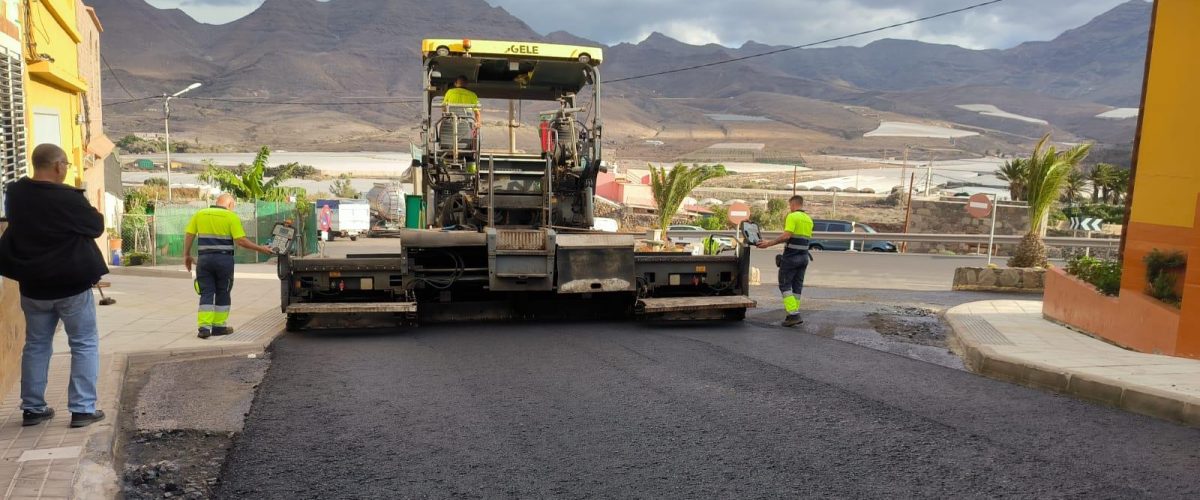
[(55, 94)]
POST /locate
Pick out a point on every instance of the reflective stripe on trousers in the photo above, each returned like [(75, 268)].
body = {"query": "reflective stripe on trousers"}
[(214, 281), (791, 279)]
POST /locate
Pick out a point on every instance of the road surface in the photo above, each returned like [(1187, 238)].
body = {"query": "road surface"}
[(723, 410)]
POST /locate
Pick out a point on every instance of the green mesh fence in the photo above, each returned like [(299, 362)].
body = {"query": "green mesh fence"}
[(269, 213), (258, 219), (137, 239)]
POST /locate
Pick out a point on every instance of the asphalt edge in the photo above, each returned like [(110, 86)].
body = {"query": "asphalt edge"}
[(97, 475), (1148, 401)]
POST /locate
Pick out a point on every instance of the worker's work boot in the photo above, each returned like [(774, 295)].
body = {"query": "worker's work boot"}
[(792, 320), (204, 333), (222, 330)]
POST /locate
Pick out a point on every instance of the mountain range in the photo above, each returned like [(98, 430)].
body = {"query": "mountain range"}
[(811, 99)]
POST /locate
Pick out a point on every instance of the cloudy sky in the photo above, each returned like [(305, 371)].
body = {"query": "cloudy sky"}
[(777, 22)]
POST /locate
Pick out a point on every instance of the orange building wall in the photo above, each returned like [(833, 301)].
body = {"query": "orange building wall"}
[(1166, 192)]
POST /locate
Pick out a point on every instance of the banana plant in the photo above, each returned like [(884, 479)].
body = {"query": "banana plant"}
[(251, 184)]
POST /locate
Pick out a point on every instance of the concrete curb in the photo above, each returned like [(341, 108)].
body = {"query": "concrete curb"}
[(150, 272), (97, 476), (180, 273), (1149, 401)]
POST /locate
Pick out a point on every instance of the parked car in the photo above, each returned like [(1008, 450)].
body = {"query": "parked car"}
[(678, 234), (845, 226)]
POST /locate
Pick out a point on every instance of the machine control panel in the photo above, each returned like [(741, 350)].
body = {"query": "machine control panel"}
[(751, 233), (281, 238)]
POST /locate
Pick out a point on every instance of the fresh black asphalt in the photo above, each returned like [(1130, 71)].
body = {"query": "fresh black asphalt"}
[(725, 410)]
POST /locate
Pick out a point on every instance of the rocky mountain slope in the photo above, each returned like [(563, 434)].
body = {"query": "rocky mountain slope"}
[(367, 50)]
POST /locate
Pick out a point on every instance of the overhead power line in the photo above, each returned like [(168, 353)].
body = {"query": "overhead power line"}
[(797, 47), (274, 103), (298, 103), (115, 77), (127, 101)]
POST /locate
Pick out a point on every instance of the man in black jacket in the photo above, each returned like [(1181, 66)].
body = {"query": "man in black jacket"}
[(50, 249)]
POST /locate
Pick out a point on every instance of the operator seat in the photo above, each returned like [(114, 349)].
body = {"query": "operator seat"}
[(464, 116)]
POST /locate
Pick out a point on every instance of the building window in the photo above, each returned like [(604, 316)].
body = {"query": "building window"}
[(12, 120)]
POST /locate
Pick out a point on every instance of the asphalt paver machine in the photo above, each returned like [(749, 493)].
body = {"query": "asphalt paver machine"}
[(506, 234)]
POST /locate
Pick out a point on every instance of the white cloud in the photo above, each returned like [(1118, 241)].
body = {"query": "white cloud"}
[(684, 31)]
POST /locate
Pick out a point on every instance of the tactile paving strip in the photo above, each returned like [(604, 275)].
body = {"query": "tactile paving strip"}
[(981, 331), (266, 323)]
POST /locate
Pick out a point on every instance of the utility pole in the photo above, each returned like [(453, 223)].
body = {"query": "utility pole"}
[(167, 131), (512, 127), (795, 173), (908, 212), (904, 169), (928, 177)]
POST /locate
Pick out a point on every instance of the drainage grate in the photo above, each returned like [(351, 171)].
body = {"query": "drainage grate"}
[(267, 323), (981, 331)]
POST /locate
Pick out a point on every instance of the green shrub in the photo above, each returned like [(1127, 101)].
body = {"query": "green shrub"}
[(1103, 274), (1110, 214), (718, 221), (298, 171), (155, 181), (1160, 275), (136, 258)]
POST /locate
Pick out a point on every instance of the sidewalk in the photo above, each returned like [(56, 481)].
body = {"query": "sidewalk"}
[(1010, 340), (155, 314)]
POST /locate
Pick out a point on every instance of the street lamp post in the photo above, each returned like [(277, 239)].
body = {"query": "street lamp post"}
[(167, 130)]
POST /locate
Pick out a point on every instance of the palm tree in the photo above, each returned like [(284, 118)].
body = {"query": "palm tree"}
[(1120, 186), (1048, 170), (248, 185), (1076, 183), (670, 187), (1015, 172), (1102, 176)]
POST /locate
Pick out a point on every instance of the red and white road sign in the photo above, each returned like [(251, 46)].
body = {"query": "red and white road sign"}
[(979, 205), (738, 212)]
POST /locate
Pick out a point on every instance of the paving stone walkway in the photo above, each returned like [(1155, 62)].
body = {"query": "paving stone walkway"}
[(1011, 340), (155, 313)]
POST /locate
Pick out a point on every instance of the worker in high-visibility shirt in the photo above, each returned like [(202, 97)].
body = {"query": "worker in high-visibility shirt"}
[(797, 232), (461, 96), (215, 231)]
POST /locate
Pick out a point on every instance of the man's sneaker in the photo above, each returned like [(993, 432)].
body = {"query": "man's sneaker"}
[(204, 333), (792, 320), (29, 418), (86, 419), (222, 330)]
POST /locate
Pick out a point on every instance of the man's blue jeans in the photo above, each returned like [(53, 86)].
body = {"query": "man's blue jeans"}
[(78, 315)]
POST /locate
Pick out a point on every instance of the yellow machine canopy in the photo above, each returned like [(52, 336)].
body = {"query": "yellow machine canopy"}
[(510, 70)]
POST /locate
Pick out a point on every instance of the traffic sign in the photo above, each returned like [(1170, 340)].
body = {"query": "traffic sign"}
[(1087, 224), (738, 212), (979, 205)]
